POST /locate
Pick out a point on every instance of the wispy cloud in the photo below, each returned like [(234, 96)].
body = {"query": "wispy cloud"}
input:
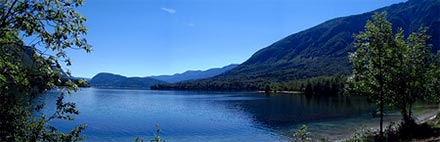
[(191, 24), (168, 10)]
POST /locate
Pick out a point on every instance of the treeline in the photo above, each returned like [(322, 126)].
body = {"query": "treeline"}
[(325, 85), (211, 85)]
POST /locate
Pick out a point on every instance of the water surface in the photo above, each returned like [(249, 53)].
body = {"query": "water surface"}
[(123, 115)]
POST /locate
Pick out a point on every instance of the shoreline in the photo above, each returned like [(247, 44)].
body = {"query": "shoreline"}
[(420, 118)]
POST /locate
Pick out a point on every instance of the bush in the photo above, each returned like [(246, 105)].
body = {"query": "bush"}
[(156, 137), (302, 134), (405, 131)]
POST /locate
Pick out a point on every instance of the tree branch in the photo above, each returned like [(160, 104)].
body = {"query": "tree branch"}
[(7, 14)]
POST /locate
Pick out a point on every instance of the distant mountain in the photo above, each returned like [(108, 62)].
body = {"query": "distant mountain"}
[(80, 78), (108, 80), (319, 51), (194, 75)]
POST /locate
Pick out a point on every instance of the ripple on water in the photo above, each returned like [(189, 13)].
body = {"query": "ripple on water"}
[(122, 115)]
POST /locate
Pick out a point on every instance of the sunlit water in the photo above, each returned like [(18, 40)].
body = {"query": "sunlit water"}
[(123, 115)]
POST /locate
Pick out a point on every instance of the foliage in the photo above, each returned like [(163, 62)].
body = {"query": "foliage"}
[(369, 135), (82, 83), (302, 134), (392, 70), (29, 28), (371, 73), (323, 85), (156, 137), (364, 135), (395, 133), (435, 122)]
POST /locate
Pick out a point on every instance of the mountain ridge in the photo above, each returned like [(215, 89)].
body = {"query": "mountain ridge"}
[(194, 74), (110, 80), (321, 50)]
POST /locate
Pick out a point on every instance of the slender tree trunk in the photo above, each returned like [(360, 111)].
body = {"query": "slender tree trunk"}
[(410, 110), (404, 111), (405, 106), (381, 93), (381, 114)]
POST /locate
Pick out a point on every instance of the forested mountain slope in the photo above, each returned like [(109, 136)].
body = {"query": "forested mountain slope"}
[(108, 80), (319, 51)]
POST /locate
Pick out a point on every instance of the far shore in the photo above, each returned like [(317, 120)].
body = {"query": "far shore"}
[(282, 92)]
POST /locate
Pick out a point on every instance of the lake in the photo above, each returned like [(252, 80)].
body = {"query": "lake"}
[(123, 115)]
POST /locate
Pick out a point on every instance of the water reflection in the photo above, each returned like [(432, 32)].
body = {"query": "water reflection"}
[(122, 115), (280, 111)]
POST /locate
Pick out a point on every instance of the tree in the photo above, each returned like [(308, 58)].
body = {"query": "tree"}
[(390, 69), (369, 69), (413, 62), (308, 91), (34, 36)]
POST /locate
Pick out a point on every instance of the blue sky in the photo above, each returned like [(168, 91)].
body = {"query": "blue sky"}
[(155, 37)]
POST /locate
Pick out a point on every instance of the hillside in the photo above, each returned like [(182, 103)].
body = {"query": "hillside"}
[(108, 80), (319, 51), (194, 75)]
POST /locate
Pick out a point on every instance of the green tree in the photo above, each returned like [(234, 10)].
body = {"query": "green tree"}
[(34, 36), (308, 91), (392, 70), (410, 70), (369, 62)]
